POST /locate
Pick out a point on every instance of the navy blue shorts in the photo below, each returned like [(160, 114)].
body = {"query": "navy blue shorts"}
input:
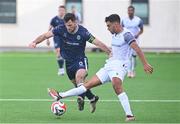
[(57, 41), (73, 67)]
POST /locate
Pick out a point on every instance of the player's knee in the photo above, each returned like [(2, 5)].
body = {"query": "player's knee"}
[(116, 80), (118, 89), (117, 85), (93, 82), (79, 78), (80, 75), (89, 85)]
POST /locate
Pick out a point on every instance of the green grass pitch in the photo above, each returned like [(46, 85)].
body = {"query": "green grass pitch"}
[(28, 75)]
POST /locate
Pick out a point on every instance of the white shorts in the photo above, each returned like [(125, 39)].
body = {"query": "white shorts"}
[(112, 68)]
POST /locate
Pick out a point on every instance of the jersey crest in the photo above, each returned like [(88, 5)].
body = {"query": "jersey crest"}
[(78, 37)]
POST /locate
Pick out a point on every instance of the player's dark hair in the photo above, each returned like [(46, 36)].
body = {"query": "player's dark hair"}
[(132, 7), (61, 6), (113, 18), (69, 16)]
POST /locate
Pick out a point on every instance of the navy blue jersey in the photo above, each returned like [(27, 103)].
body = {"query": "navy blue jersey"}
[(56, 21), (73, 45)]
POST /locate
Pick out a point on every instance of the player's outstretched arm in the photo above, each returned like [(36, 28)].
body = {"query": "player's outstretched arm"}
[(49, 29), (40, 39), (147, 67), (101, 45)]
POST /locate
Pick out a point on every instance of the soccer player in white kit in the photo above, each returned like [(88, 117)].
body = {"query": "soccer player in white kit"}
[(115, 68), (135, 25)]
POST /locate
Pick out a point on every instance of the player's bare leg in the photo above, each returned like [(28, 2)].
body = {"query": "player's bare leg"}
[(123, 98), (93, 82), (80, 75), (80, 99), (80, 78)]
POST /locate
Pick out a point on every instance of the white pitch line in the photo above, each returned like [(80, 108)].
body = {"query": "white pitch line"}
[(91, 123), (69, 100)]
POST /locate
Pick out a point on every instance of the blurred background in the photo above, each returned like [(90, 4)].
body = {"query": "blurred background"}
[(23, 20)]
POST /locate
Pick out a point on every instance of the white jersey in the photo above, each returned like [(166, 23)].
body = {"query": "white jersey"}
[(121, 45), (133, 25), (116, 66)]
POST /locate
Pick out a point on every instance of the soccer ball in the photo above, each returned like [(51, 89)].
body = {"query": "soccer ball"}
[(58, 108)]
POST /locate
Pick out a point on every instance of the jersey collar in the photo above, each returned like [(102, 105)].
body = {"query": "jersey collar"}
[(131, 18)]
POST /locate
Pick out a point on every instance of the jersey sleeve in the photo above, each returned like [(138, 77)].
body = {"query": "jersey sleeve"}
[(88, 36), (52, 22), (140, 24), (129, 38)]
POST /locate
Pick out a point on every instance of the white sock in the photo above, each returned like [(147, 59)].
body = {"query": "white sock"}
[(123, 98), (133, 63), (73, 92)]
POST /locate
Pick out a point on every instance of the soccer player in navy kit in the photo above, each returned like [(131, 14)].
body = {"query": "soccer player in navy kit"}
[(55, 21), (72, 48)]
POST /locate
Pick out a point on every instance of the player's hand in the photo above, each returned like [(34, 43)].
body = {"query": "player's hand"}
[(32, 45), (148, 68), (47, 42)]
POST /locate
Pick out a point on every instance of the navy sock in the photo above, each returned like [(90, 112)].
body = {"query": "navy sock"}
[(89, 94), (60, 61), (82, 95)]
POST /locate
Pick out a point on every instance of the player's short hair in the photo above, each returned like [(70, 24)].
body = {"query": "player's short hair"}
[(69, 16), (113, 18), (61, 6), (132, 7)]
